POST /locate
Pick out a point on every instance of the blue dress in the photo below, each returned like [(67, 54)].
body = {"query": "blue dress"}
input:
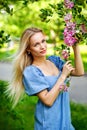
[(56, 117)]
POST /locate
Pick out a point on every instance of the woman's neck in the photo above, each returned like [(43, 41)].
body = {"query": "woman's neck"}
[(39, 60)]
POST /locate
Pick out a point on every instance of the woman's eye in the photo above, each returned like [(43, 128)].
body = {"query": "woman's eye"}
[(43, 40), (36, 44)]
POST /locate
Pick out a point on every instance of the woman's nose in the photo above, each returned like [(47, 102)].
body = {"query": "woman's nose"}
[(42, 45)]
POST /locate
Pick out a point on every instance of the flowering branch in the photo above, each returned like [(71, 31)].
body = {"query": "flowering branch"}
[(73, 31), (70, 29)]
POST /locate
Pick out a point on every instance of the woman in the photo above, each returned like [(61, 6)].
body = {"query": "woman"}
[(44, 77)]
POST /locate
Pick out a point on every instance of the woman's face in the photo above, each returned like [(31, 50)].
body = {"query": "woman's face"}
[(38, 45)]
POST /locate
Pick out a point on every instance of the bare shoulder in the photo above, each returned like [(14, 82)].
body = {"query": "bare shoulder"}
[(50, 63)]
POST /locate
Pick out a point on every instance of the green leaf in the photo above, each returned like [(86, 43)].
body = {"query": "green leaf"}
[(79, 9), (25, 2), (11, 11), (52, 5)]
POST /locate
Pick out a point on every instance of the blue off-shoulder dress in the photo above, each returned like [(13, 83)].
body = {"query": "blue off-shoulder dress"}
[(56, 117)]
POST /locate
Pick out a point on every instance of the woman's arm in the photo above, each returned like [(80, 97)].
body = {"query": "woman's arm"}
[(79, 69), (48, 97)]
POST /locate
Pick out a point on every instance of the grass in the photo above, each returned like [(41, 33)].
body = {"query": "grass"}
[(22, 117), (79, 116)]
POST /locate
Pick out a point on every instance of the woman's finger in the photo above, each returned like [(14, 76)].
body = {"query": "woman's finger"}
[(68, 62), (69, 65), (71, 69)]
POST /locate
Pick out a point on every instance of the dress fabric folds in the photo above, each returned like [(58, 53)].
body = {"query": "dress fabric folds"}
[(58, 116)]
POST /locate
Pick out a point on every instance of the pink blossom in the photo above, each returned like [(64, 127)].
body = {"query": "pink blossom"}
[(66, 1), (68, 4), (69, 40), (70, 32), (65, 54), (65, 88), (66, 29), (65, 32), (70, 29), (68, 17), (83, 28), (71, 25)]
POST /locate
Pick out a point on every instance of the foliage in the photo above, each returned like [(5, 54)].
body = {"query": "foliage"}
[(4, 38), (63, 51), (21, 14), (7, 6), (22, 117), (78, 12), (25, 16), (74, 20)]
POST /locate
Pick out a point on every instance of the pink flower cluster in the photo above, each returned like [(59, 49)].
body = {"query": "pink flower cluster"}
[(69, 31), (65, 87), (65, 54), (67, 17), (68, 4)]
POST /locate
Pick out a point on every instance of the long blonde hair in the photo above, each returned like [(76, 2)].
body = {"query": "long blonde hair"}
[(22, 59)]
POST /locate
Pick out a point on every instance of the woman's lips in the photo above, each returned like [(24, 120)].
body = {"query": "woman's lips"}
[(42, 52)]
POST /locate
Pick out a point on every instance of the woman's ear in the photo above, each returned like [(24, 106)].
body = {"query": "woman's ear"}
[(28, 51)]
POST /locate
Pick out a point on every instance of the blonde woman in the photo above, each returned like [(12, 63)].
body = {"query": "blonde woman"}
[(42, 77)]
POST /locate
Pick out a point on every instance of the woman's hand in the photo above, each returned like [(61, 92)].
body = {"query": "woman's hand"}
[(67, 68)]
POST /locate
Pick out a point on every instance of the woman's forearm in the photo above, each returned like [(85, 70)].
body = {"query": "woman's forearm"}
[(79, 69), (48, 98)]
